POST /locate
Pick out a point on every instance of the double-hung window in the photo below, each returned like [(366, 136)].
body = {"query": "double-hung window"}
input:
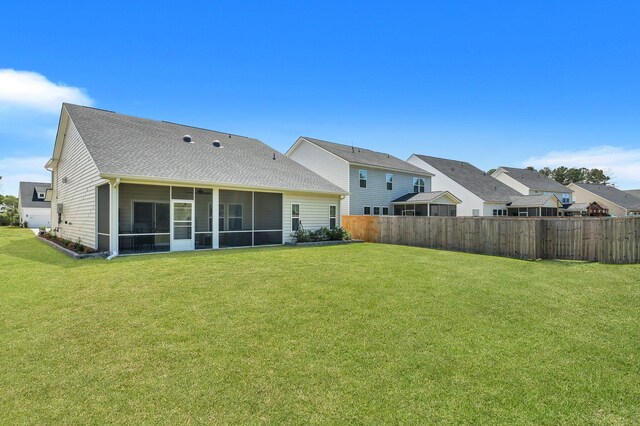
[(333, 211), (235, 217), (366, 210), (363, 178), (385, 211), (389, 181), (418, 184), (376, 211), (295, 217)]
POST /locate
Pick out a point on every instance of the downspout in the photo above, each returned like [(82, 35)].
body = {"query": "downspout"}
[(114, 185)]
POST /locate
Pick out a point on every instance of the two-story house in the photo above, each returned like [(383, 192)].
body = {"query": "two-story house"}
[(532, 182), (378, 183), (33, 207)]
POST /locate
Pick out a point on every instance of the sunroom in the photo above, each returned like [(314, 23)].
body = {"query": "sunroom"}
[(437, 203), (157, 218)]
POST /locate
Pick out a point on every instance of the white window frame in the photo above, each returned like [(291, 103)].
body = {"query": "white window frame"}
[(366, 177), (416, 183), (475, 212), (373, 211), (364, 210), (389, 181), (229, 217), (295, 216), (387, 209), (334, 217)]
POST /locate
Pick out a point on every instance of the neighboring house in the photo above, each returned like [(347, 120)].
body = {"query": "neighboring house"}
[(586, 209), (127, 185), (534, 205), (32, 207), (619, 203), (376, 181), (531, 182), (480, 194)]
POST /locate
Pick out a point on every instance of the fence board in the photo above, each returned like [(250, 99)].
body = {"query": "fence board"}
[(607, 240)]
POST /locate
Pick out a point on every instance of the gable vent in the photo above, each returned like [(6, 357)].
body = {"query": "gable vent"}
[(187, 138), (217, 144)]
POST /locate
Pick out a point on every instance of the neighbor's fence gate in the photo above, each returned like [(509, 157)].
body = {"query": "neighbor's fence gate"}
[(607, 240)]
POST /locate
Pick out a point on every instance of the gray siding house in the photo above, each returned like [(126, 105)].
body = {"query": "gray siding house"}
[(33, 207), (532, 182), (377, 182), (125, 185), (618, 202)]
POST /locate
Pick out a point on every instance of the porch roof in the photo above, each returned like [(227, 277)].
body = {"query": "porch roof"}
[(425, 197)]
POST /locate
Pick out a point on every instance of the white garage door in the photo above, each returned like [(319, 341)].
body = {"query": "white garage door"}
[(38, 220)]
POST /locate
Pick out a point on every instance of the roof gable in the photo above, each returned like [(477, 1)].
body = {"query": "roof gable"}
[(612, 194), (29, 194), (471, 178), (535, 180), (367, 157), (127, 146)]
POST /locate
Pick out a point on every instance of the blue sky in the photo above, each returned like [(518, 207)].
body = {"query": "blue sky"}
[(494, 83)]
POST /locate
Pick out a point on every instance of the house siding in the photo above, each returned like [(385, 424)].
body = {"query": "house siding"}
[(324, 163), (470, 201), (78, 195), (314, 211), (581, 195), (376, 193), (511, 182), (36, 216)]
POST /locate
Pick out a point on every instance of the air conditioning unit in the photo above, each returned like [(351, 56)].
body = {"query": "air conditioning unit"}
[(59, 208)]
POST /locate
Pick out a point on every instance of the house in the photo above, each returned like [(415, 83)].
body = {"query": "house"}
[(618, 202), (586, 209), (378, 183), (480, 194), (532, 182), (128, 185), (33, 209), (540, 205)]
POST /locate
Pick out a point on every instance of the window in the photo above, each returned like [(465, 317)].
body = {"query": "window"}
[(418, 184), (40, 196), (499, 212), (385, 211), (363, 178), (150, 217), (475, 212), (376, 211), (366, 210), (333, 210), (235, 216), (389, 181), (295, 217), (442, 210), (566, 198)]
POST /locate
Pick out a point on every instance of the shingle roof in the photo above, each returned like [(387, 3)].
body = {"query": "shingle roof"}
[(367, 157), (577, 207), (529, 200), (122, 145), (420, 197), (29, 197), (634, 192), (472, 178), (535, 180), (612, 194)]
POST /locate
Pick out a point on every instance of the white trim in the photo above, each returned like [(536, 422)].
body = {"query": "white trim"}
[(299, 217)]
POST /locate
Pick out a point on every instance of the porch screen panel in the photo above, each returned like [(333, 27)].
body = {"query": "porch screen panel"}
[(422, 210), (532, 211), (144, 218), (204, 217), (103, 218), (236, 218), (181, 193), (267, 218)]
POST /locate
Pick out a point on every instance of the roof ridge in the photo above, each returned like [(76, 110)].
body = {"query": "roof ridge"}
[(351, 146)]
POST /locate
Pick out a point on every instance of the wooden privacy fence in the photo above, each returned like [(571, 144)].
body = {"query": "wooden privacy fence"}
[(607, 240)]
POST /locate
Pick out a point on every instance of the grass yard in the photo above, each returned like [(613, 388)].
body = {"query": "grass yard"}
[(361, 333)]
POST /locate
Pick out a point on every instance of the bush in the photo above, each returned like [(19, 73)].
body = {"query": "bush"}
[(322, 234), (25, 224)]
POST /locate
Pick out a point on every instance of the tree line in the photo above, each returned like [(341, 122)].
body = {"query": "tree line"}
[(567, 175)]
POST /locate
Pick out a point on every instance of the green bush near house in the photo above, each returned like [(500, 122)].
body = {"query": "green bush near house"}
[(358, 333)]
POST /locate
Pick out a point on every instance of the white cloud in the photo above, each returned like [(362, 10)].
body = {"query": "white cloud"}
[(622, 165), (30, 90), (16, 169)]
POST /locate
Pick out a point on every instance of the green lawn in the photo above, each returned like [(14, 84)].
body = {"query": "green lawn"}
[(361, 333)]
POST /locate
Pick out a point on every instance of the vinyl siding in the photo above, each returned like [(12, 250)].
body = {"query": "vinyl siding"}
[(78, 195), (376, 193), (511, 182), (326, 164), (314, 211), (441, 182), (36, 216)]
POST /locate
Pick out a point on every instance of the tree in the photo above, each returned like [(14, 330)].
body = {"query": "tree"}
[(596, 176), (531, 168), (546, 171), (565, 175), (490, 171)]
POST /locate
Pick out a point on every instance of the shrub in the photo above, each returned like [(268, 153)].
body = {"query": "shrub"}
[(339, 234), (322, 234), (25, 224)]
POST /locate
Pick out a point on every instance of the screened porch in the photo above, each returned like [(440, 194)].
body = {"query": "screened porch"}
[(154, 218)]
